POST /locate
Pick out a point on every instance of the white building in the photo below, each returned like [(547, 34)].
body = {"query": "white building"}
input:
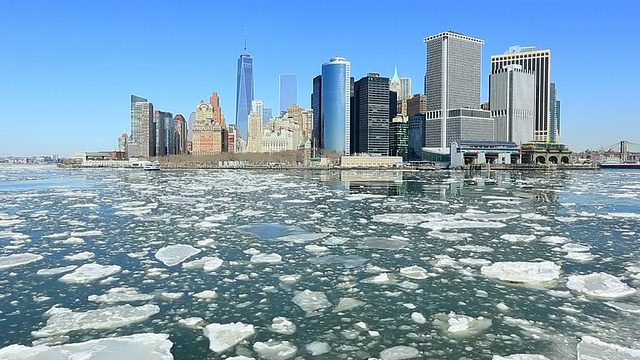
[(512, 100)]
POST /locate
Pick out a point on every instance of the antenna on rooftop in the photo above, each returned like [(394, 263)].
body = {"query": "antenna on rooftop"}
[(245, 39)]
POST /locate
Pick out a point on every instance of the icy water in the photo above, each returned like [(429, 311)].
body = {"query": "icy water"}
[(304, 245)]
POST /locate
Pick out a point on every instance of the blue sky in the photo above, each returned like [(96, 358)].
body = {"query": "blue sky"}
[(67, 68)]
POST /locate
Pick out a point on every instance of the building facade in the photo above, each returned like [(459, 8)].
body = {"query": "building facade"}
[(267, 114), (399, 137), (394, 83), (336, 105), (405, 89), (416, 104), (134, 145), (288, 91), (539, 62), (417, 136), (460, 124), (257, 106), (162, 120), (512, 96), (555, 115), (244, 93), (208, 135), (181, 147), (372, 114), (147, 140), (316, 106), (254, 141)]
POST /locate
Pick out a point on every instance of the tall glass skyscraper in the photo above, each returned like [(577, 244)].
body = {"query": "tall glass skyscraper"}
[(336, 105), (244, 94), (288, 91)]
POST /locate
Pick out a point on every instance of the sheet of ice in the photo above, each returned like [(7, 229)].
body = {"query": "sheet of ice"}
[(334, 240), (207, 263), (348, 303), (522, 272), (574, 247), (90, 272), (363, 196), (171, 295), (172, 255), (555, 240), (630, 308), (120, 294), (146, 346), (517, 237), (402, 218), (282, 325), (449, 236), (14, 260), (86, 233), (85, 255), (301, 238), (275, 350), (399, 352), (266, 258), (418, 318), (206, 295), (520, 357), (317, 348), (56, 271), (414, 272), (599, 285), (192, 322), (71, 241), (310, 301), (474, 248), (225, 336), (63, 321), (591, 348), (474, 262), (494, 217), (270, 231), (312, 249), (461, 224), (380, 279), (580, 256), (382, 243), (461, 325), (348, 261)]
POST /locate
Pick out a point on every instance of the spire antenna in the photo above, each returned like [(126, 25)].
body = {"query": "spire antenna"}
[(245, 40)]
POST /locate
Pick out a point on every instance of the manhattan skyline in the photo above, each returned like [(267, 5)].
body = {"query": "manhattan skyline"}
[(66, 84)]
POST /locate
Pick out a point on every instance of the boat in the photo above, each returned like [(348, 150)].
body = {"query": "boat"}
[(620, 166), (151, 166)]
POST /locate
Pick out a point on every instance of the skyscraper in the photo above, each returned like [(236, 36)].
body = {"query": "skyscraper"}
[(254, 141), (539, 62), (512, 96), (372, 114), (181, 135), (453, 84), (336, 107), (316, 106), (288, 91), (555, 115), (394, 84), (134, 145), (267, 114), (244, 93), (257, 106), (405, 89)]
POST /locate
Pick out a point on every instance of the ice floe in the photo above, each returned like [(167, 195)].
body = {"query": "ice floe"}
[(144, 346), (63, 321), (207, 263), (630, 308), (282, 325), (451, 236), (592, 348), (380, 279), (414, 272), (382, 243), (90, 272), (225, 336), (120, 294), (56, 271), (418, 318), (461, 224), (522, 272), (348, 261), (88, 233), (461, 325), (266, 258), (399, 352), (275, 350), (347, 303), (599, 285), (86, 255), (310, 301), (517, 237), (192, 322), (175, 254), (473, 248), (520, 357), (402, 218), (14, 260), (206, 295), (317, 348)]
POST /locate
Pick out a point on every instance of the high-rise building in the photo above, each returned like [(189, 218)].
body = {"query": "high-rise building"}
[(257, 106), (393, 104), (394, 83), (122, 141), (208, 135), (316, 106), (405, 89), (288, 91), (254, 141), (417, 136), (181, 135), (372, 114), (399, 137), (267, 114), (134, 145), (453, 83), (555, 115), (307, 119), (162, 121), (218, 116), (512, 95), (539, 62), (336, 105), (416, 104), (244, 92), (146, 145)]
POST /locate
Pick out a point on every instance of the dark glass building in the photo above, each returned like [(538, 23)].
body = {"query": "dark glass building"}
[(372, 114), (288, 91), (336, 105), (244, 94), (316, 106), (399, 139)]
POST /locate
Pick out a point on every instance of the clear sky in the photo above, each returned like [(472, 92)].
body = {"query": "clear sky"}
[(68, 67)]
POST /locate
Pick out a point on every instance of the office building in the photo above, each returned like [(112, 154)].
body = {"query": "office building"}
[(417, 136), (257, 106), (208, 135), (461, 124), (336, 105), (372, 114), (288, 91), (405, 89), (162, 121), (539, 62), (244, 92), (394, 83), (134, 144), (512, 95), (123, 141), (555, 115), (254, 141), (316, 107), (146, 145), (393, 104), (417, 104), (267, 114), (453, 83), (218, 116), (181, 135), (399, 137)]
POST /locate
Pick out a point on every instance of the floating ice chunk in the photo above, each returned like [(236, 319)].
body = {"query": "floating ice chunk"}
[(275, 350), (494, 217), (461, 325), (520, 357), (63, 321), (444, 261), (310, 301), (554, 240), (240, 357), (207, 225), (625, 215), (86, 255), (252, 251), (517, 237), (474, 248), (225, 336), (206, 294), (461, 224), (56, 235), (289, 279), (86, 233), (580, 256), (382, 243), (474, 262), (72, 241), (356, 197), (175, 254), (318, 348), (282, 325), (266, 258), (56, 271), (120, 294), (591, 348), (574, 247), (600, 285), (10, 261), (414, 272), (90, 272), (347, 304), (217, 217), (502, 307), (379, 279), (449, 236), (192, 322), (207, 263), (315, 249), (522, 272), (348, 261), (630, 308), (335, 240), (418, 318), (171, 295), (399, 352), (402, 218), (144, 346)]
